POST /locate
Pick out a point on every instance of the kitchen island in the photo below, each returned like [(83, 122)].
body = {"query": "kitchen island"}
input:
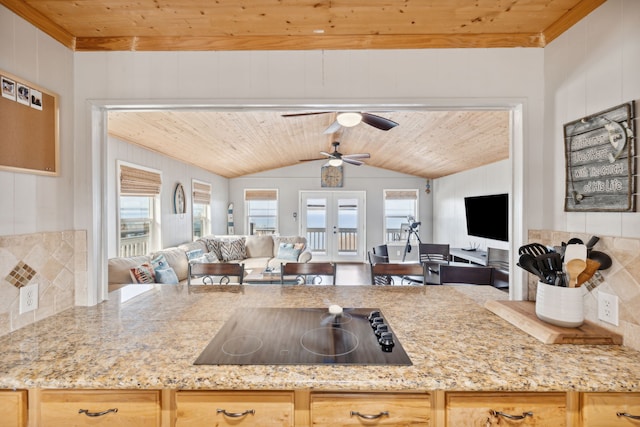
[(150, 341)]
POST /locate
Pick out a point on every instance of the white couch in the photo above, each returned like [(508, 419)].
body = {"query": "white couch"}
[(259, 253)]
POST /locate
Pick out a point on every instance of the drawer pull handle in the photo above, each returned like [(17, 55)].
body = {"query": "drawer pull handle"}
[(624, 414), (509, 416), (96, 414), (371, 416), (235, 414)]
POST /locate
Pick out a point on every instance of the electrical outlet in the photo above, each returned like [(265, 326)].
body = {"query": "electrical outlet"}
[(397, 253), (28, 298), (608, 308)]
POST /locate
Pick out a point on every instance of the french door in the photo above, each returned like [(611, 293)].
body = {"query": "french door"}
[(333, 222)]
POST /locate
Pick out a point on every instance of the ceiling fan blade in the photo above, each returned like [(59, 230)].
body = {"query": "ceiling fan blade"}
[(352, 161), (378, 122), (312, 160), (324, 153), (305, 114), (356, 156), (333, 128)]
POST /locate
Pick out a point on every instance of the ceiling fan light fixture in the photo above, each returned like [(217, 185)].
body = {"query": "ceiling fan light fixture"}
[(335, 162), (349, 119)]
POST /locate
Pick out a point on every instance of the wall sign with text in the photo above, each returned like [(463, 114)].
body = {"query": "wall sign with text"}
[(601, 164)]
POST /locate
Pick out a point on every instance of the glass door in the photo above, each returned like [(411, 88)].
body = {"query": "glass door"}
[(333, 222)]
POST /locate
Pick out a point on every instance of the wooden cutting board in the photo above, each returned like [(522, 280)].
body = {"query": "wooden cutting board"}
[(523, 315)]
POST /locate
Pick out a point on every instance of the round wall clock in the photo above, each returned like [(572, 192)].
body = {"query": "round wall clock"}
[(331, 176), (179, 200)]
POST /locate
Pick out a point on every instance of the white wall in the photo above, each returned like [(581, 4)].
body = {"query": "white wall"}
[(291, 180), (176, 229), (449, 220), (34, 203), (592, 67)]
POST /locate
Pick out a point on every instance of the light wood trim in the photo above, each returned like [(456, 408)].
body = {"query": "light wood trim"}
[(31, 15), (302, 402)]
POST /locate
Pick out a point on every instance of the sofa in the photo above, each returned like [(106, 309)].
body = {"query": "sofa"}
[(171, 265)]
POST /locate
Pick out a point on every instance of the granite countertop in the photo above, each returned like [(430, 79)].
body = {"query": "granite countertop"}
[(150, 341)]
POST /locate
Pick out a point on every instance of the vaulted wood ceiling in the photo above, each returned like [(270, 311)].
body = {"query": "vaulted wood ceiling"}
[(92, 25), (427, 143)]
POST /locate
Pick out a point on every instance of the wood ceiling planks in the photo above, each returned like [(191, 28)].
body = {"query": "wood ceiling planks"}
[(428, 144), (93, 25)]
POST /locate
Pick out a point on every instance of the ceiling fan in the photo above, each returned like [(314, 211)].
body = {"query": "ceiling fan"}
[(350, 119), (336, 158)]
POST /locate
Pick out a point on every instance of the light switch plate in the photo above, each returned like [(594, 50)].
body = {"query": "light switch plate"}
[(28, 298)]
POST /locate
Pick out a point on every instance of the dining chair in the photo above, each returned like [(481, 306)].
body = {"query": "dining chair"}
[(472, 275), (386, 273), (438, 252), (217, 273), (310, 273), (381, 250)]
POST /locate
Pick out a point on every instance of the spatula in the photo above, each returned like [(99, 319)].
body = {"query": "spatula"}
[(575, 250), (574, 268)]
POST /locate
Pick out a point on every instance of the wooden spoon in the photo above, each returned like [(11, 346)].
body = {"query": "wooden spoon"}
[(589, 271), (574, 268)]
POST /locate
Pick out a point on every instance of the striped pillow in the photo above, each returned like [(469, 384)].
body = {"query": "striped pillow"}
[(143, 273), (233, 249)]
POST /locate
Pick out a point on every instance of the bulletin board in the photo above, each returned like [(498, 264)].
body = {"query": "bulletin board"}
[(29, 129)]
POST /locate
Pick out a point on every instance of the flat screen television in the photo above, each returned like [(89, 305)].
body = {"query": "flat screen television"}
[(488, 216)]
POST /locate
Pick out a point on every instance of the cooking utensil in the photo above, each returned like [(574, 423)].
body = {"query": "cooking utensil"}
[(592, 242), (574, 267), (533, 249), (602, 258), (528, 263), (589, 271), (575, 251), (550, 265), (575, 240)]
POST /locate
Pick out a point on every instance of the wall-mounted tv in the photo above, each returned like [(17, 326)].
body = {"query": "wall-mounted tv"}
[(488, 216)]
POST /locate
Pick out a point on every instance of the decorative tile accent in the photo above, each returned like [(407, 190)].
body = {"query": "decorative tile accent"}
[(21, 275)]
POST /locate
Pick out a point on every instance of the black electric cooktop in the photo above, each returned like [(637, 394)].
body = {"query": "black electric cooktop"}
[(304, 336)]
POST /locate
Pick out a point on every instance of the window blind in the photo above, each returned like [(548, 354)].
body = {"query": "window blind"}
[(401, 194), (261, 195), (201, 193), (139, 182)]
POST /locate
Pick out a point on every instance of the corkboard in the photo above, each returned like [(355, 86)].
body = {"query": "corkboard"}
[(29, 140)]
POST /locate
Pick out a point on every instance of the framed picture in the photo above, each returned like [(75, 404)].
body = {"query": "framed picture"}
[(8, 88), (24, 94)]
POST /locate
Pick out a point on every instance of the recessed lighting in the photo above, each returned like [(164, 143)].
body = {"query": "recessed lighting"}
[(318, 31)]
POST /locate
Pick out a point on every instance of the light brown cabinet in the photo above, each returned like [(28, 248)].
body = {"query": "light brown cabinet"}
[(124, 408), (234, 408), (610, 409), (13, 408), (467, 409), (379, 409)]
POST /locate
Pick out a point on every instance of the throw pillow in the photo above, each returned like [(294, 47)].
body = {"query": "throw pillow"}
[(233, 249), (143, 273), (214, 247), (159, 262), (166, 276), (194, 254), (289, 251)]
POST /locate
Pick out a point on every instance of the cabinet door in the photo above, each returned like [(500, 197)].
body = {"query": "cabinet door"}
[(506, 409), (209, 408), (375, 409), (122, 408), (13, 408), (610, 409)]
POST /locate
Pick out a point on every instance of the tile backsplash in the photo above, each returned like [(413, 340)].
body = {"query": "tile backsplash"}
[(53, 260), (621, 279)]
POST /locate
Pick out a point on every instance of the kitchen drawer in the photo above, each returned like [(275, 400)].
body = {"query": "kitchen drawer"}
[(234, 408), (67, 408), (493, 408), (600, 409), (13, 408), (372, 409)]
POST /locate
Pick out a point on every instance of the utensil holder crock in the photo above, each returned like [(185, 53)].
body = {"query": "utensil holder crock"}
[(560, 306)]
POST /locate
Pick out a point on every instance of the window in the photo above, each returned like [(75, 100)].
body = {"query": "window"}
[(201, 208), (138, 210), (261, 207), (399, 207)]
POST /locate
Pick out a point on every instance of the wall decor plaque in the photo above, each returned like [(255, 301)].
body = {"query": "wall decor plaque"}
[(600, 159)]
